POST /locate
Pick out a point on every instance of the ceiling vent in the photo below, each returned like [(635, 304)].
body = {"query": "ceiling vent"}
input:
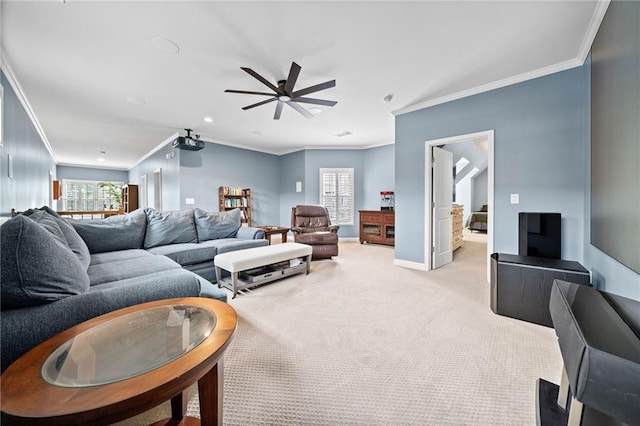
[(347, 133)]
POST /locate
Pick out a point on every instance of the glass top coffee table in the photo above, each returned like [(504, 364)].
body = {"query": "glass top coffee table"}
[(123, 363)]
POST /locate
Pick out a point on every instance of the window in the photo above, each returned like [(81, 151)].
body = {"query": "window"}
[(336, 194), (90, 195)]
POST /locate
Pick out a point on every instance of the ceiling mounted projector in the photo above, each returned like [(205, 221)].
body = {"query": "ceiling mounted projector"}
[(188, 142)]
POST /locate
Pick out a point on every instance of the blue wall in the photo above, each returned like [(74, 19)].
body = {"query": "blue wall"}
[(540, 148), (170, 171), (32, 162), (379, 175), (89, 173), (202, 172), (198, 174), (292, 170)]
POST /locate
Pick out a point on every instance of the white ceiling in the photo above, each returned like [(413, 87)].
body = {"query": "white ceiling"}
[(77, 62)]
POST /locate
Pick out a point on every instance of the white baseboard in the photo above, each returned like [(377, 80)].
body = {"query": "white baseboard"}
[(410, 265)]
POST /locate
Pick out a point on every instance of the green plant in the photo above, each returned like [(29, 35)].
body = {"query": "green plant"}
[(114, 190)]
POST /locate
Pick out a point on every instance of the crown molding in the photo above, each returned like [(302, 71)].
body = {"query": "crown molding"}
[(17, 89), (585, 47), (530, 75), (592, 30)]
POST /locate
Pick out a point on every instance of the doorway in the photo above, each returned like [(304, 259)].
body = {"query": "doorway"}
[(429, 218)]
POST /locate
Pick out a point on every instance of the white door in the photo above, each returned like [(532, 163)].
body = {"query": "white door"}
[(442, 213)]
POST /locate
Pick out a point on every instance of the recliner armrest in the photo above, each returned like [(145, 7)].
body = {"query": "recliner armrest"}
[(334, 228), (297, 230)]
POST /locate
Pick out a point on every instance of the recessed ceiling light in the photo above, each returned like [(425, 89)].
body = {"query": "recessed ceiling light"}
[(135, 101), (102, 154), (315, 110), (347, 133), (165, 45), (208, 119)]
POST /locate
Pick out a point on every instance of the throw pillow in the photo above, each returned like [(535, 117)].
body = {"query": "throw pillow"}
[(172, 227), (73, 239), (37, 266), (120, 232), (212, 226)]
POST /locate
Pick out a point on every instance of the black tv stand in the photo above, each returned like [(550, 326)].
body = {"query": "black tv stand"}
[(521, 285)]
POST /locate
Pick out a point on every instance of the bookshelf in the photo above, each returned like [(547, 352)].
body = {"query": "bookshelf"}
[(235, 197)]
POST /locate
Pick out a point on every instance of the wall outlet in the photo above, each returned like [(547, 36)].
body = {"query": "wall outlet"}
[(515, 198), (190, 201)]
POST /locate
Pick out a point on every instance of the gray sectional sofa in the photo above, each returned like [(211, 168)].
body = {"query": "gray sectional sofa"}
[(57, 272)]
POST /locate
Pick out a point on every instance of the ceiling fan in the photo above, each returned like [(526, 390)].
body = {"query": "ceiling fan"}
[(284, 93)]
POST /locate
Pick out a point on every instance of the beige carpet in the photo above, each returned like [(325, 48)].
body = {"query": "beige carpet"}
[(362, 342)]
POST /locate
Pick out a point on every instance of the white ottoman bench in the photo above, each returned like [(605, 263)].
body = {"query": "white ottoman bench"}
[(252, 259)]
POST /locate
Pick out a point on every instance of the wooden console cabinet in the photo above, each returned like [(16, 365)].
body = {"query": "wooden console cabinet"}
[(377, 226)]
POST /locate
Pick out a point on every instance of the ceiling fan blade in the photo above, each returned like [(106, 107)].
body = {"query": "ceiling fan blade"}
[(276, 116), (260, 78), (298, 108), (293, 77), (259, 103), (246, 92), (316, 88), (315, 101)]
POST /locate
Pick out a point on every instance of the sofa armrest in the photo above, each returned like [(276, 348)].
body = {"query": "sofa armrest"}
[(250, 233), (334, 228), (24, 328)]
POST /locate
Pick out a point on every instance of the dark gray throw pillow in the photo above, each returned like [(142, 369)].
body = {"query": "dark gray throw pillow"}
[(73, 239), (120, 232), (37, 266), (212, 226), (172, 227)]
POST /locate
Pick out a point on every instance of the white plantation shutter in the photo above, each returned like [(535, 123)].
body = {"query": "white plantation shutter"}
[(336, 194)]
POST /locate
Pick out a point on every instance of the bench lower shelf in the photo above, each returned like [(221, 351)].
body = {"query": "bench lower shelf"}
[(240, 280)]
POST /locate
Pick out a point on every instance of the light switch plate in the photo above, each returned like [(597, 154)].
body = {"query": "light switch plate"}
[(515, 198), (190, 201), (298, 186)]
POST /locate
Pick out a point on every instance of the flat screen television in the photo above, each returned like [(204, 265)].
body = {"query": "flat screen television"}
[(540, 235)]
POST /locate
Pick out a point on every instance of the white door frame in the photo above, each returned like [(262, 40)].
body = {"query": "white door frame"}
[(428, 193)]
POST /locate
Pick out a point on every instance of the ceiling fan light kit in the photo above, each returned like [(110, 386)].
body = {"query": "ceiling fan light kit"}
[(284, 92)]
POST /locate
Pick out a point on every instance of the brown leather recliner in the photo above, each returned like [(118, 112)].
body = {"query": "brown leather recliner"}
[(311, 225)]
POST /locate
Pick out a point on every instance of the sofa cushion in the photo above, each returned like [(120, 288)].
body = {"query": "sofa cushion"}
[(114, 256), (120, 232), (37, 265), (187, 253), (225, 245), (129, 268), (73, 239), (172, 227), (211, 226)]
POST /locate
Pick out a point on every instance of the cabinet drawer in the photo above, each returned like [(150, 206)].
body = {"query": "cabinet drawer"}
[(371, 218)]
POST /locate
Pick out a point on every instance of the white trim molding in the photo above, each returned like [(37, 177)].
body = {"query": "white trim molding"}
[(411, 265), (585, 47), (11, 78)]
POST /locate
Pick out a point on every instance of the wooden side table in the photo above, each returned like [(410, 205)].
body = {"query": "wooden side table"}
[(123, 363), (271, 230)]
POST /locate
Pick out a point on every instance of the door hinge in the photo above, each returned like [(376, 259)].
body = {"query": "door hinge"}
[(433, 249)]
